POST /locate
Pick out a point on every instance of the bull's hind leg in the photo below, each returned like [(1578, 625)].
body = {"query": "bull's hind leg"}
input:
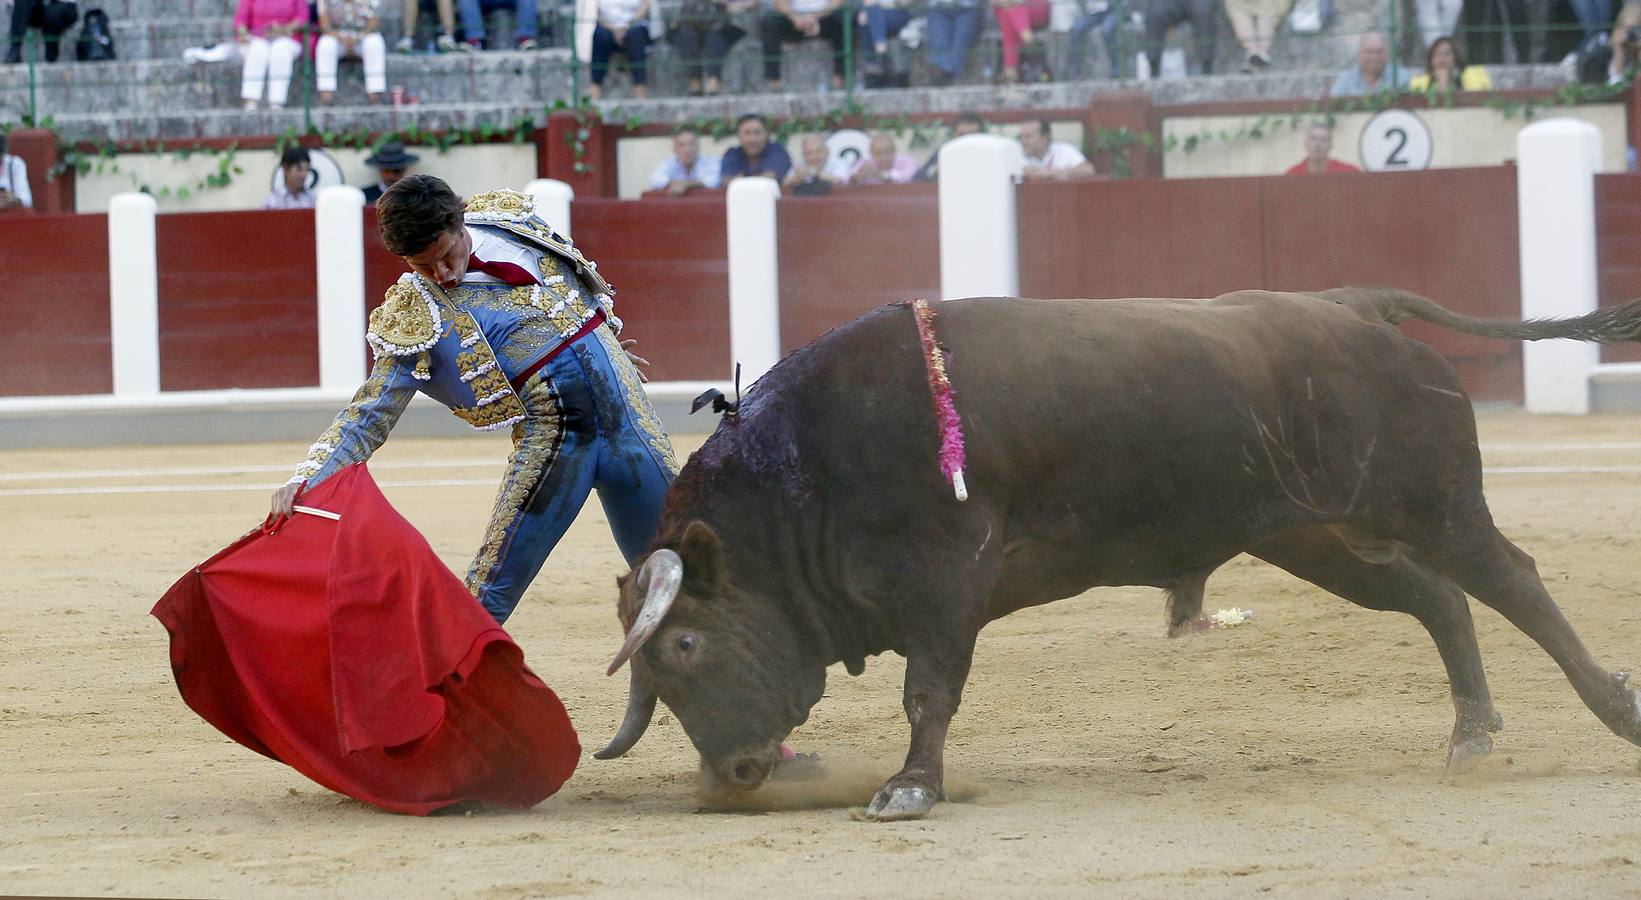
[(1501, 575), (1401, 585)]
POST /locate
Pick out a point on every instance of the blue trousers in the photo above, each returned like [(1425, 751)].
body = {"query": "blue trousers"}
[(589, 426), (881, 23), (1076, 45), (952, 33), (472, 17)]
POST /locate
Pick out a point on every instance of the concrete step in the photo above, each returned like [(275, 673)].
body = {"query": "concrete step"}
[(1616, 387), (182, 125)]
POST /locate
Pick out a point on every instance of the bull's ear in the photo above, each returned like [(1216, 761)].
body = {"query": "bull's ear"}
[(702, 553)]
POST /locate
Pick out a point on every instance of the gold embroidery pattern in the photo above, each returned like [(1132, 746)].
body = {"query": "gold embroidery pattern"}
[(495, 404), (371, 434), (407, 322), (536, 444), (510, 204), (638, 401)]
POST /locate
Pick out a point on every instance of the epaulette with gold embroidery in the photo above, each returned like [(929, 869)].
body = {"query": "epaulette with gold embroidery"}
[(407, 323), (516, 213)]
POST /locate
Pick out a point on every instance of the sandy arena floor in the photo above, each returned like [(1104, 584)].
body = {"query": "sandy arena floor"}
[(1297, 755)]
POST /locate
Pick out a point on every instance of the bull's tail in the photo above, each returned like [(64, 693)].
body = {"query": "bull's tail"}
[(1617, 323)]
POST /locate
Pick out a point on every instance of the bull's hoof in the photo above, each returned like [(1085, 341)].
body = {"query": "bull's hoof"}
[(1464, 754), (893, 804)]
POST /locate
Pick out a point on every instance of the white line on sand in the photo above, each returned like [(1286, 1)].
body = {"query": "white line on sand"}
[(69, 475)]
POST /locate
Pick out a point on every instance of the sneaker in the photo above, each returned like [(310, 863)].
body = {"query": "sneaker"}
[(445, 44), (406, 44), (528, 43)]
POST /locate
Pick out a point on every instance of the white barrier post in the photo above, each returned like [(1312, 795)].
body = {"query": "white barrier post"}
[(134, 295), (754, 277), (552, 203), (1556, 162), (979, 234), (339, 236)]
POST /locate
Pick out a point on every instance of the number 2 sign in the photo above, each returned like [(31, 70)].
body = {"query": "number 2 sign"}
[(1395, 140)]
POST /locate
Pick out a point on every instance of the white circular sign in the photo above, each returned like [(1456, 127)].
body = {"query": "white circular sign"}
[(323, 171), (849, 145), (1395, 140)]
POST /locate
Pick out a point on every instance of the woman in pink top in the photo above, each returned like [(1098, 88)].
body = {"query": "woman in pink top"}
[(1017, 19), (266, 31)]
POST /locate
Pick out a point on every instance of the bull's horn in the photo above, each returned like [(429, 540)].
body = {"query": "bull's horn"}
[(640, 706), (659, 579)]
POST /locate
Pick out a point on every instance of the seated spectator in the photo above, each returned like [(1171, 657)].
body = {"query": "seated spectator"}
[(686, 169), (965, 123), (1161, 15), (266, 31), (817, 173), (391, 163), (1096, 14), (1439, 17), (1445, 71), (1019, 20), (877, 21), (51, 18), (1368, 76), (703, 33), (1318, 144), (795, 20), (1626, 44), (622, 25), (525, 26), (885, 164), (1048, 159), (350, 28), (14, 189), (446, 40), (756, 155), (953, 28), (1255, 23), (292, 191)]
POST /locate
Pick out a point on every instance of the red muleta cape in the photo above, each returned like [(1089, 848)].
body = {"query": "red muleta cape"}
[(348, 651)]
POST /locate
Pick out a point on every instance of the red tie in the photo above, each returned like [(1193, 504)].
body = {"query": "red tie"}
[(506, 272)]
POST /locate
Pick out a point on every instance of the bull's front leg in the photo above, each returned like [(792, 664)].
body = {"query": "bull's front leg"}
[(935, 673)]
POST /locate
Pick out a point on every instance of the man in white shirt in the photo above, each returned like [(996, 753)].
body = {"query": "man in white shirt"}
[(14, 189), (1048, 159), (686, 168)]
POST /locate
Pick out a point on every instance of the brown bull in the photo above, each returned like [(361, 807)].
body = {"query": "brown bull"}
[(1126, 442)]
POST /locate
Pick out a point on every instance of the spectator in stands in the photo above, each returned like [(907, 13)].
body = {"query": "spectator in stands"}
[(350, 28), (1439, 17), (1161, 15), (756, 155), (702, 33), (267, 32), (525, 25), (293, 190), (1446, 71), (14, 189), (51, 18), (1368, 76), (953, 28), (877, 21), (1255, 23), (1096, 14), (817, 172), (1593, 15), (1048, 159), (444, 43), (391, 163), (686, 169), (1019, 20), (796, 20), (884, 164), (1318, 146), (622, 25), (965, 123), (1626, 44)]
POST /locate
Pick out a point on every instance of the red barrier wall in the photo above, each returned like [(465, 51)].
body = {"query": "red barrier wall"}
[(237, 300), (854, 251), (1199, 238), (1618, 250), (668, 259), (56, 271)]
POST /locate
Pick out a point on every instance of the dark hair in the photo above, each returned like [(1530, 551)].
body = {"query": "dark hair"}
[(971, 118), (751, 117), (294, 156), (415, 211), (1459, 62), (2, 143), (686, 129), (1042, 125)]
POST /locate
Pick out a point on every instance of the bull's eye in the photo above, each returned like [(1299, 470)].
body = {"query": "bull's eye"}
[(686, 643)]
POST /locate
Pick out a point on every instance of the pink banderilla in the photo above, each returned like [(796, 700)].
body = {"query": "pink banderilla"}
[(945, 406)]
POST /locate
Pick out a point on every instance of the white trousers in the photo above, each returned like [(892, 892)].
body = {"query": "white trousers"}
[(371, 48), (270, 62)]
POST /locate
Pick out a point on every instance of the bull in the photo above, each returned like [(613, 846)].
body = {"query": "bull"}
[(1122, 442)]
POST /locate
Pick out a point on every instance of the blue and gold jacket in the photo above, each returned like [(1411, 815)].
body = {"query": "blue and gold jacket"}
[(463, 346)]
